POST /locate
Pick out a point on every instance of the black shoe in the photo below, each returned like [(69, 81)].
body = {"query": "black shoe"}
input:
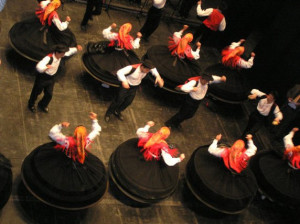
[(44, 109), (119, 115), (107, 117), (83, 27), (96, 12), (32, 108)]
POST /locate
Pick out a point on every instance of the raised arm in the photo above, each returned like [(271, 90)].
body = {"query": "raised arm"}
[(59, 24), (169, 160), (213, 148), (108, 34), (56, 135), (203, 12), (96, 129), (251, 149), (143, 131)]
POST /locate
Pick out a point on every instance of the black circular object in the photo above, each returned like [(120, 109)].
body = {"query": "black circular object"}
[(173, 70), (58, 181), (33, 41), (276, 179), (102, 62), (6, 180), (217, 187), (141, 180)]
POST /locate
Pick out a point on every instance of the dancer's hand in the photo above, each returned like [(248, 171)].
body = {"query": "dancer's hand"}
[(182, 156), (151, 123), (139, 34), (199, 2), (295, 130), (185, 27), (242, 40), (198, 44), (65, 124), (252, 96), (252, 54), (113, 25), (159, 81), (125, 85), (79, 47), (276, 121), (93, 116), (223, 78), (68, 18), (48, 66), (248, 137), (218, 137)]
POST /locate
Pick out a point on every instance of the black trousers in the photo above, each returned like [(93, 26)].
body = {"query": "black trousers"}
[(123, 99), (256, 121), (90, 5), (187, 110), (43, 82), (152, 22), (186, 6)]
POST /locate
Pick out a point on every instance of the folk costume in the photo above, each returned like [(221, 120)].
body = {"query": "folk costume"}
[(103, 59), (6, 180), (231, 56), (63, 173), (278, 174), (176, 62), (225, 185), (34, 38), (145, 168)]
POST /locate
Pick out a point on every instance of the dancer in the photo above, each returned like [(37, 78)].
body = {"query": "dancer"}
[(93, 7), (64, 174), (215, 21), (231, 56), (153, 18), (197, 88), (131, 77), (45, 78), (266, 104), (34, 38), (157, 175), (104, 59), (277, 173), (178, 61), (225, 184)]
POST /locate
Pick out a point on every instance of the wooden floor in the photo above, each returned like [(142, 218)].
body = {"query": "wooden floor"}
[(76, 94)]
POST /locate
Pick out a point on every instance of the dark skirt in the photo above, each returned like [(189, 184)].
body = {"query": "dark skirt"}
[(5, 180), (173, 70), (142, 181), (276, 179), (102, 62), (33, 41), (58, 181), (217, 187)]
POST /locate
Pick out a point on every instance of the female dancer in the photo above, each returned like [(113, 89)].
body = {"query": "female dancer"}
[(63, 173), (150, 176), (34, 38), (104, 59)]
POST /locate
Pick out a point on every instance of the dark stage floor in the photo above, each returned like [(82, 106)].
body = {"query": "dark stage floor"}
[(76, 94)]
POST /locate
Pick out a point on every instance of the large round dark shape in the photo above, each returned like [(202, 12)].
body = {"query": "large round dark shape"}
[(34, 41), (276, 179), (141, 180), (5, 180), (173, 70), (217, 187), (58, 181), (102, 62)]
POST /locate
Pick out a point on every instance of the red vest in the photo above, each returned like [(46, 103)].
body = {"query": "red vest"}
[(214, 19)]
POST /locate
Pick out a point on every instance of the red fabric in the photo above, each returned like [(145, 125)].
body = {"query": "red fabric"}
[(214, 19), (122, 44), (135, 66), (40, 15), (229, 61), (50, 55), (237, 162), (154, 152), (196, 78), (71, 151), (294, 158)]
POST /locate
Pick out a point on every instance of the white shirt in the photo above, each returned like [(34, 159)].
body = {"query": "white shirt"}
[(177, 37), (114, 36), (201, 89), (206, 12), (168, 159), (288, 140), (136, 77), (159, 4), (43, 4), (264, 107), (242, 63), (41, 66), (214, 150), (56, 135)]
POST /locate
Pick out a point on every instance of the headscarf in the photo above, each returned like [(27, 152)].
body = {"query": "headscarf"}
[(152, 146), (44, 14), (80, 134), (180, 47), (232, 56), (293, 154), (124, 39)]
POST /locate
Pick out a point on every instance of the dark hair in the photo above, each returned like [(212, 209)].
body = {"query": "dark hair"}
[(148, 64), (60, 48), (274, 94)]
